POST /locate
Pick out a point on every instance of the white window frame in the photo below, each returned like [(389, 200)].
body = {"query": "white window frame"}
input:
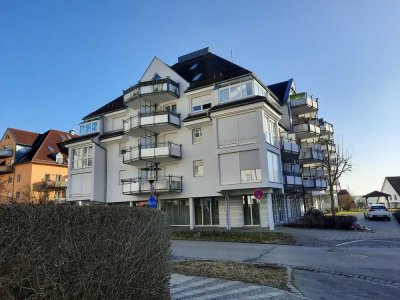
[(274, 172), (197, 139), (240, 87), (88, 127), (198, 168), (82, 157), (271, 132)]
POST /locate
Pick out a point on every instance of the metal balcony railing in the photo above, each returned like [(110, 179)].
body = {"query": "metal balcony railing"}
[(326, 128), (165, 88), (6, 152), (155, 121), (314, 183), (157, 152), (302, 103), (6, 169), (164, 184), (306, 130), (292, 179), (310, 155), (289, 146), (55, 183)]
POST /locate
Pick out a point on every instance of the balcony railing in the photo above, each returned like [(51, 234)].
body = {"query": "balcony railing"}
[(302, 103), (330, 148), (155, 121), (163, 184), (160, 152), (6, 152), (326, 128), (291, 168), (304, 131), (55, 184), (153, 91), (6, 169), (313, 172), (308, 156), (292, 179), (315, 183), (289, 146)]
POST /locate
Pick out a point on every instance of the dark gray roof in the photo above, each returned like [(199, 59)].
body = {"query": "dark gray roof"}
[(80, 138), (211, 67), (193, 117), (281, 90), (116, 104), (395, 183)]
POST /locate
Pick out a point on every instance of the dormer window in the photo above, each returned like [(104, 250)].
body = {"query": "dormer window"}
[(236, 91), (89, 127), (156, 77), (59, 159), (50, 148), (193, 67), (197, 77)]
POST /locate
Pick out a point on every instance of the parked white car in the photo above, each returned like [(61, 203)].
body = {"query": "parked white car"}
[(377, 211)]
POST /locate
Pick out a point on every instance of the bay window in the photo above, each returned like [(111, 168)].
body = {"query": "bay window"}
[(89, 127), (273, 167), (82, 157)]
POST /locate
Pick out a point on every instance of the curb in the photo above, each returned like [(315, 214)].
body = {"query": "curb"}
[(289, 284)]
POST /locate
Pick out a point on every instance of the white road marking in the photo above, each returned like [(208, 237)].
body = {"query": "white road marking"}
[(356, 241)]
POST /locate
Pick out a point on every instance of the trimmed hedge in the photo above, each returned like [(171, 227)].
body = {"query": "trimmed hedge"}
[(326, 222), (83, 252)]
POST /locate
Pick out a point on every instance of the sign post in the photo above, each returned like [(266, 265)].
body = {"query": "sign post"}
[(258, 194)]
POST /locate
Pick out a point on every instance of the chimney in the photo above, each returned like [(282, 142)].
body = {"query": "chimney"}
[(72, 131)]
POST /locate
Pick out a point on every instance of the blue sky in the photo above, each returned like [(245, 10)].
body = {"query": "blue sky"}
[(60, 60)]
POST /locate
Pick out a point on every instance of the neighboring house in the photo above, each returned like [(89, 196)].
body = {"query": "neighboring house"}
[(391, 186), (208, 133), (33, 166)]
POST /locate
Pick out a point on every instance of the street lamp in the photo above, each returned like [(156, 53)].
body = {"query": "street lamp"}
[(151, 178)]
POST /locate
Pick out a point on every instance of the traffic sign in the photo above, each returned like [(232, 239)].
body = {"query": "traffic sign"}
[(258, 194), (152, 202)]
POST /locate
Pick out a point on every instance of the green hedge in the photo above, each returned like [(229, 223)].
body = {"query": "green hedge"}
[(327, 222), (89, 252)]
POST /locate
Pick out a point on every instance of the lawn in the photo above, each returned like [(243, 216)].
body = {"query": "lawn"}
[(347, 213), (271, 275), (234, 236)]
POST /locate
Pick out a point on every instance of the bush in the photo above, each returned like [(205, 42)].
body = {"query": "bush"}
[(397, 216), (89, 252), (339, 222)]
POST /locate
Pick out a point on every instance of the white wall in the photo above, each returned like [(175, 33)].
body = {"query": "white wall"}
[(99, 174), (388, 189)]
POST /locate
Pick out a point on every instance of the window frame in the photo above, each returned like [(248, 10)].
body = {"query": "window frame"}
[(238, 88), (82, 159), (197, 168), (93, 129), (199, 138)]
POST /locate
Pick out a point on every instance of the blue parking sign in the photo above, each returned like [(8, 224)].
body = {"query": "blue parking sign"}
[(152, 202)]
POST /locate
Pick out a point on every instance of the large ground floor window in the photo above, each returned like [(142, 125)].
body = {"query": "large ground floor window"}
[(279, 208), (294, 205), (251, 210), (206, 211), (177, 211)]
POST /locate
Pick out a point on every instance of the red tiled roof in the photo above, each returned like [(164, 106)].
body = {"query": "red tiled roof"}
[(49, 147), (24, 137)]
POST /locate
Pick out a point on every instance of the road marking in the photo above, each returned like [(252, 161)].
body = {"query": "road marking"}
[(356, 241)]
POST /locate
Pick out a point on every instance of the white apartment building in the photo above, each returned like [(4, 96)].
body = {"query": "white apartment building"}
[(209, 133)]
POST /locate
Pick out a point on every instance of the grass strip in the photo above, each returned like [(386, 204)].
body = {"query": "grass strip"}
[(270, 275), (232, 236)]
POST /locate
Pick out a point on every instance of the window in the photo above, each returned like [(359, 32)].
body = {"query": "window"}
[(198, 169), (177, 211), (82, 157), (237, 130), (251, 210), (193, 67), (19, 178), (206, 211), (240, 167), (122, 148), (59, 159), (156, 77), (197, 136), (201, 103), (57, 195), (170, 107), (58, 177), (89, 127), (270, 132), (10, 179), (197, 77), (121, 175), (236, 91), (50, 148), (46, 176), (273, 167), (395, 197), (17, 195)]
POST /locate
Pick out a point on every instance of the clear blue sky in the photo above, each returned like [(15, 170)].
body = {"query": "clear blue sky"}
[(60, 60)]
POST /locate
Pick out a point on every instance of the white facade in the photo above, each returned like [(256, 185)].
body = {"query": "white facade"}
[(387, 187), (208, 154)]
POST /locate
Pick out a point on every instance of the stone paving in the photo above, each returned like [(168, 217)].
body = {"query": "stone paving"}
[(194, 287), (382, 230)]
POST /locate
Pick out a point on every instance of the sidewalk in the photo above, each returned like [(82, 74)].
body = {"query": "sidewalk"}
[(194, 287)]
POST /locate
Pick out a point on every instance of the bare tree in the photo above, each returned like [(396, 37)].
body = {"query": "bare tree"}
[(34, 195), (335, 163), (3, 190)]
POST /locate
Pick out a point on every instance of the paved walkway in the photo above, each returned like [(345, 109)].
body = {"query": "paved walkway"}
[(193, 287), (382, 230)]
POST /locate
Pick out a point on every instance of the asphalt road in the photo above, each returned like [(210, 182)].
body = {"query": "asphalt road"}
[(319, 272)]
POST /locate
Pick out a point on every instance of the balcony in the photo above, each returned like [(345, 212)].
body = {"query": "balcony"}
[(155, 122), (314, 184), (292, 180), (62, 184), (156, 153), (6, 169), (163, 184), (289, 149), (302, 103), (326, 128), (6, 152), (328, 148), (310, 156), (313, 172), (304, 131), (154, 91)]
